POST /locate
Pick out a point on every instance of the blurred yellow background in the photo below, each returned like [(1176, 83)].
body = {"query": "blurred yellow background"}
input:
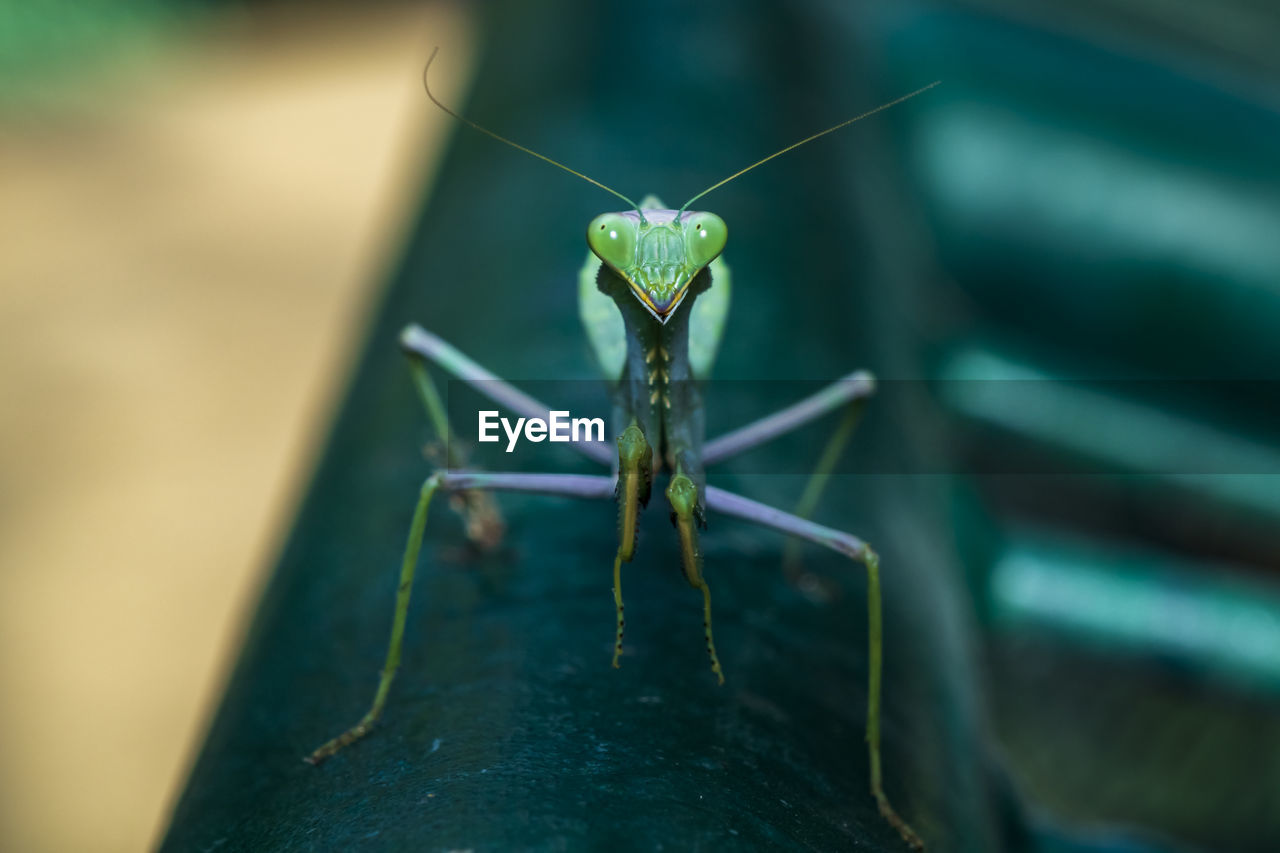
[(192, 235)]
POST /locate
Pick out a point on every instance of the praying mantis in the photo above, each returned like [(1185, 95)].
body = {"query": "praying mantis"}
[(654, 297)]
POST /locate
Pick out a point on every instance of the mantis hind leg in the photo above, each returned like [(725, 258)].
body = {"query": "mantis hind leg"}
[(480, 514), (850, 394), (812, 493)]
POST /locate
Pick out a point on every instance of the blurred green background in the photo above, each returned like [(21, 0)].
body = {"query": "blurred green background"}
[(1066, 254)]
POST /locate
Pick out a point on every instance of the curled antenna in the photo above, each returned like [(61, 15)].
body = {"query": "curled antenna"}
[(487, 132), (807, 139)]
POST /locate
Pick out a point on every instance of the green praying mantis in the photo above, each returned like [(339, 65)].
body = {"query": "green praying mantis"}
[(654, 296)]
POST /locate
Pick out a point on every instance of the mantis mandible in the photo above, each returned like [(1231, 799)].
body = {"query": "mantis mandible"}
[(653, 296)]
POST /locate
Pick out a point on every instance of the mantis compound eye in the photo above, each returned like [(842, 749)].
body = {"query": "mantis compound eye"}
[(704, 236), (612, 237)]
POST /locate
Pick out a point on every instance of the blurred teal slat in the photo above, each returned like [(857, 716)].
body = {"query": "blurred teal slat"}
[(1099, 201), (1109, 430), (1206, 616)]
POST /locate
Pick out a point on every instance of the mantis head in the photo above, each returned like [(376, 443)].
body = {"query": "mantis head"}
[(657, 252)]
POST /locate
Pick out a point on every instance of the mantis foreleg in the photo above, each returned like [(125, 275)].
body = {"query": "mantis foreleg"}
[(635, 481), (686, 514)]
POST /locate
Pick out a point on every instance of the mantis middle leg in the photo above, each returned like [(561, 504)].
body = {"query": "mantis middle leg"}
[(719, 500), (564, 485), (849, 393)]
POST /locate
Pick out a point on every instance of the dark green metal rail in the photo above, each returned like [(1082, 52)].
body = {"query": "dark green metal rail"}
[(936, 231)]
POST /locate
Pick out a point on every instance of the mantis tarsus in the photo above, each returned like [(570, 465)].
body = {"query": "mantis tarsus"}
[(654, 295)]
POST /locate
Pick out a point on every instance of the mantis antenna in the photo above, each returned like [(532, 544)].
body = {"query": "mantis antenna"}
[(426, 85), (804, 141)]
